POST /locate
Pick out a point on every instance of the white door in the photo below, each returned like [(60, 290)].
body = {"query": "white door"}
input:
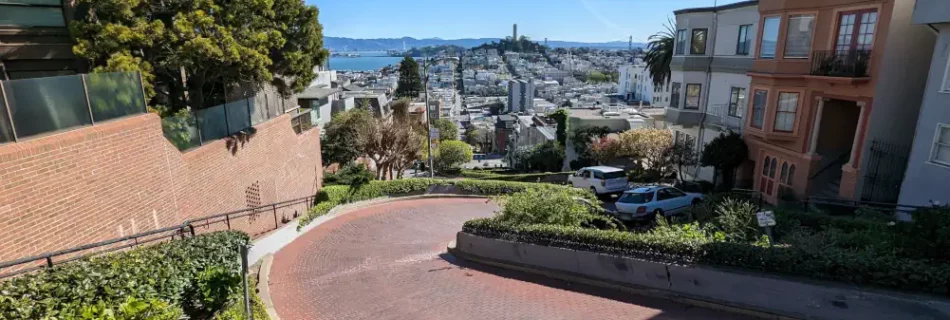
[(678, 199)]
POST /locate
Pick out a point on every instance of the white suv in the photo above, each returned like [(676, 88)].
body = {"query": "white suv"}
[(653, 200), (600, 180)]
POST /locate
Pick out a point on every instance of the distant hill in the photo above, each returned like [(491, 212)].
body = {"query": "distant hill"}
[(383, 44)]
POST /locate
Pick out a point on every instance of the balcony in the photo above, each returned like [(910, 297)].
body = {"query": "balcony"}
[(718, 115), (686, 118), (840, 64)]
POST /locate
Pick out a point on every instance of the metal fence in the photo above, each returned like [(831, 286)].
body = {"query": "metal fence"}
[(191, 129), (254, 220), (885, 171), (32, 107)]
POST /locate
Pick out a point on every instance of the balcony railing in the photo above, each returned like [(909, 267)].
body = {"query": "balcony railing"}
[(718, 115), (839, 63)]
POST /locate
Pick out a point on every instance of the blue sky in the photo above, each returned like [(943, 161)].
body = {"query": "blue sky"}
[(570, 20)]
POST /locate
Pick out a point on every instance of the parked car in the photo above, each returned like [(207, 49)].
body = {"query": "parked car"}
[(601, 179), (653, 200)]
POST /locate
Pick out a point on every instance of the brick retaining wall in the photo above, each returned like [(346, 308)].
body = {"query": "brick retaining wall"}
[(123, 176)]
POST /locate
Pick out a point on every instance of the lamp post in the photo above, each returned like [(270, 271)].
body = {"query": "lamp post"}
[(425, 86)]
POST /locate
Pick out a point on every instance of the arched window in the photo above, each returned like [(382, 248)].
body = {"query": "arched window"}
[(791, 175), (772, 170), (784, 172), (765, 166)]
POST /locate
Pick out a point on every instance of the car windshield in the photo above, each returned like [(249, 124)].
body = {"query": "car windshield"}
[(614, 175), (636, 197)]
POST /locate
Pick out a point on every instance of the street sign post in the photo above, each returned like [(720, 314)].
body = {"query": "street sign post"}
[(766, 220)]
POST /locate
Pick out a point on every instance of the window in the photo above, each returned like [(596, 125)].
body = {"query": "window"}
[(736, 101), (693, 91), (946, 78), (680, 42), (668, 193), (798, 37), (791, 176), (675, 95), (769, 37), (636, 197), (758, 108), (744, 42), (855, 31), (941, 149), (785, 115), (697, 44), (32, 15)]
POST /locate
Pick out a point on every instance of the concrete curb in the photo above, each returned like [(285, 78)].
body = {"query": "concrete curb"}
[(641, 291), (263, 287), (761, 295)]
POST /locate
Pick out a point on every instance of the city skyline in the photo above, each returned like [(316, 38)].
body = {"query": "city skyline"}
[(557, 20)]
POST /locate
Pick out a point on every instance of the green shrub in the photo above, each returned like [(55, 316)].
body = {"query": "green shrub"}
[(350, 174), (523, 177), (131, 309), (168, 271), (736, 220), (929, 235), (690, 244), (332, 196), (559, 207), (235, 311)]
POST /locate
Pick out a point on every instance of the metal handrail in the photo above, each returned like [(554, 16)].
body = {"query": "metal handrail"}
[(187, 227)]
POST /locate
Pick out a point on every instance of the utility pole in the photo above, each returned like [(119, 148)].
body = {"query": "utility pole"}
[(425, 86)]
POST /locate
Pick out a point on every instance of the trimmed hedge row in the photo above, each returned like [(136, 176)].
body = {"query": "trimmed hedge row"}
[(196, 276), (834, 264), (523, 177), (332, 196)]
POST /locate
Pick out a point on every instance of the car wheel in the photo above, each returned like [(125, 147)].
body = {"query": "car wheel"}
[(594, 190)]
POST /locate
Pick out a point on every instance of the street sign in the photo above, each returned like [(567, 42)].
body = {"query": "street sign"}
[(434, 133), (766, 218)]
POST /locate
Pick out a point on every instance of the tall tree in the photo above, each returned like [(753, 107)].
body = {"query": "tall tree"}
[(682, 153), (561, 116), (205, 48), (725, 153), (447, 129), (451, 154), (341, 141), (660, 54), (410, 79)]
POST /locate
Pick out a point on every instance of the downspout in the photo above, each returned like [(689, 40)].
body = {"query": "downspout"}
[(702, 120)]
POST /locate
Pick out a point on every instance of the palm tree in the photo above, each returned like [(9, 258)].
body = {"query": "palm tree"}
[(660, 54)]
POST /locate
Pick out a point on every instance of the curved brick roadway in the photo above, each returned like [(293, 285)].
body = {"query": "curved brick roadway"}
[(389, 262)]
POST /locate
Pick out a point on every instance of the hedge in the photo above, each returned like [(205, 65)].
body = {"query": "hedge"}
[(196, 275), (523, 177), (834, 264), (331, 196)]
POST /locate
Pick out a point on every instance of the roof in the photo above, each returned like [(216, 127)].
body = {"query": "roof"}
[(740, 4), (604, 169), (644, 189), (548, 132), (352, 87), (317, 93)]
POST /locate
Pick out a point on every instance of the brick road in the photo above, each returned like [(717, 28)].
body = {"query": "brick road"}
[(389, 262)]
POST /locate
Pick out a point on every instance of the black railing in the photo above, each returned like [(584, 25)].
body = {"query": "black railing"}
[(846, 207), (244, 219), (840, 63)]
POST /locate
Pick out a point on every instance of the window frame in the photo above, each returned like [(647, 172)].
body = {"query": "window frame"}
[(680, 42), (692, 38), (733, 109), (936, 143), (811, 36), (743, 41), (855, 28), (699, 97), (778, 30), (945, 86), (675, 94), (794, 114), (765, 106), (59, 8)]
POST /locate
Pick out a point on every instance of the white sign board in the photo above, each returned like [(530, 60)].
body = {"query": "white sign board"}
[(434, 133), (766, 218)]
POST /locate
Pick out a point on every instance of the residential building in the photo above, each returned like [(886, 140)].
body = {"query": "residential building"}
[(320, 101), (708, 84), (928, 167), (520, 95), (836, 89), (642, 85), (35, 41), (626, 81)]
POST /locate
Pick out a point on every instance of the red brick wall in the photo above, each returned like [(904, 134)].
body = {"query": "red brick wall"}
[(123, 176)]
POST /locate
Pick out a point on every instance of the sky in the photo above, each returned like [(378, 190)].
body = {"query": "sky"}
[(566, 20)]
